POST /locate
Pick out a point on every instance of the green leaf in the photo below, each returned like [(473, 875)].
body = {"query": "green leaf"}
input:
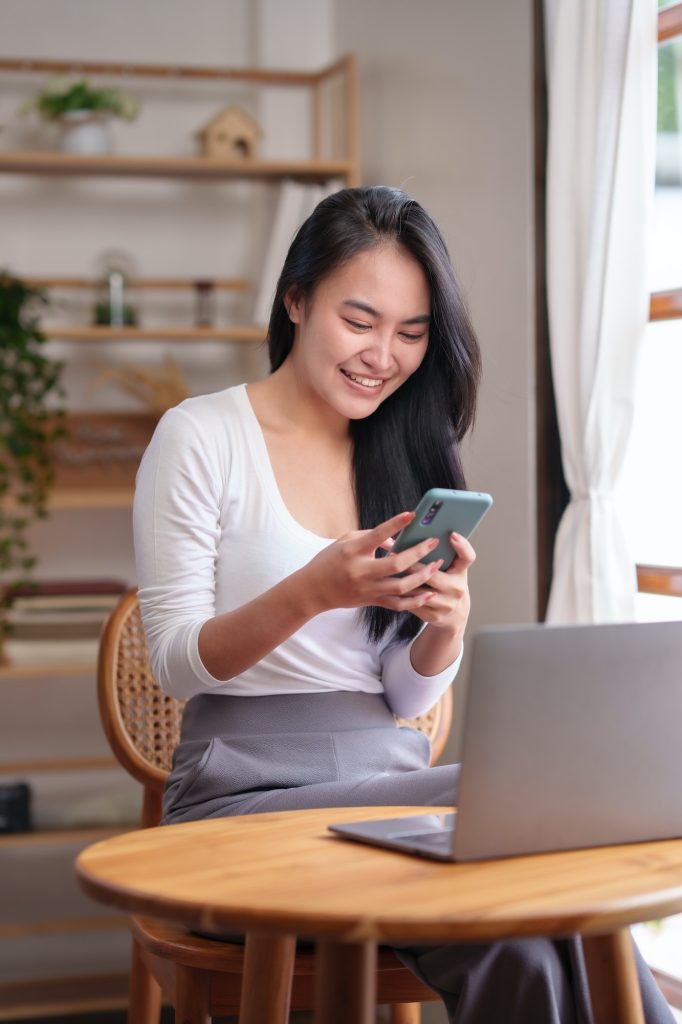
[(30, 382)]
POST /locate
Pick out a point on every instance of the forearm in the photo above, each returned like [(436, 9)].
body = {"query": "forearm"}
[(408, 690), (435, 649), (233, 641)]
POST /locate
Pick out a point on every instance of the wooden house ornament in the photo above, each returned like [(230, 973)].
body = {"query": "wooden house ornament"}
[(231, 135)]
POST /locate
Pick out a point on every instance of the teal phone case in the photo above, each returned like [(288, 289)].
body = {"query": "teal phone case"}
[(440, 513)]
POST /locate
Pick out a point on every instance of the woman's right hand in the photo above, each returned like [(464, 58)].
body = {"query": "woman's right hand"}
[(347, 573)]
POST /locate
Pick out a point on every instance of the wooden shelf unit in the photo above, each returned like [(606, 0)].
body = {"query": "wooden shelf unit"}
[(238, 284), (197, 168), (321, 167), (78, 834), (104, 923), (25, 1000), (62, 499), (57, 764), (247, 334), (59, 670), (71, 499), (334, 154)]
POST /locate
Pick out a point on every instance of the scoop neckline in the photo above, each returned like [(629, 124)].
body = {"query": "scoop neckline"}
[(269, 480)]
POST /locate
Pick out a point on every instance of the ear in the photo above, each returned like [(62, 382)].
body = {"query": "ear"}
[(293, 303)]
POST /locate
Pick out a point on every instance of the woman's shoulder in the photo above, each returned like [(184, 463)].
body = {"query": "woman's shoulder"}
[(205, 413), (221, 404), (203, 423)]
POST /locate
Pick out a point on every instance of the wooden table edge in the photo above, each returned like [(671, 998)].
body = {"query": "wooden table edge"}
[(585, 920)]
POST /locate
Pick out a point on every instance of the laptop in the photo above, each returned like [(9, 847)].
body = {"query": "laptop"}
[(572, 737)]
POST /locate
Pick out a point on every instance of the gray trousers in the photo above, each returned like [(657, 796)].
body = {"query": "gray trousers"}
[(244, 755)]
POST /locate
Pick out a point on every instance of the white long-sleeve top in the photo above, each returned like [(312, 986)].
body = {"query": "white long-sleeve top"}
[(212, 533)]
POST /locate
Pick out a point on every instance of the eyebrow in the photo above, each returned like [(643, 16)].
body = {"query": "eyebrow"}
[(364, 307)]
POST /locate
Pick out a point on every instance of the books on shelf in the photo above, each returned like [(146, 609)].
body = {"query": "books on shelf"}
[(58, 621)]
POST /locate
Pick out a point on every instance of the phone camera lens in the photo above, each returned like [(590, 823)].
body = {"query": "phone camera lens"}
[(431, 514)]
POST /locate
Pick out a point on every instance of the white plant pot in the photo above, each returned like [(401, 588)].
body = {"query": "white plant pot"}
[(86, 133)]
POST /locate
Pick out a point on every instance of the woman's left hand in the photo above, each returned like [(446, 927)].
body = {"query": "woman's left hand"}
[(448, 608), (445, 612)]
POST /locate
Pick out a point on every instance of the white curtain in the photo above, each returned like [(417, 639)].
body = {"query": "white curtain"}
[(601, 75)]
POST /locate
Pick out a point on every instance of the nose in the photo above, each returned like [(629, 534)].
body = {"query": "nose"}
[(378, 355)]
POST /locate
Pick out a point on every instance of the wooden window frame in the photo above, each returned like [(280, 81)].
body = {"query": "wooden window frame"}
[(667, 305), (552, 491)]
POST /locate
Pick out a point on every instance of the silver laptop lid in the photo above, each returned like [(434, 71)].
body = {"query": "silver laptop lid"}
[(572, 737)]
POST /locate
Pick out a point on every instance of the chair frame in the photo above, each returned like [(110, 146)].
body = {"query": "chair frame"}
[(203, 977)]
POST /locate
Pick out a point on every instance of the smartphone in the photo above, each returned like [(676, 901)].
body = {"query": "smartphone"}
[(438, 514)]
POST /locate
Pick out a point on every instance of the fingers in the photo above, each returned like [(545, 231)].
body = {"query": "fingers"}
[(405, 560), (464, 552), (382, 535), (411, 602), (418, 576)]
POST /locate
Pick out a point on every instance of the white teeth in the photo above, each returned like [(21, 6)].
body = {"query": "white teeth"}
[(368, 382)]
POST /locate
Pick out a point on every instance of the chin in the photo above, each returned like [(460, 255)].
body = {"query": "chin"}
[(361, 412)]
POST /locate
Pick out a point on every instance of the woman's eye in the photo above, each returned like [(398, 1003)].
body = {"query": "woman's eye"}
[(411, 337), (358, 326)]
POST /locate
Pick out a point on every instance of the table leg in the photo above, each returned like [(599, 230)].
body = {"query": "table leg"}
[(144, 997), (345, 982), (266, 983), (612, 976), (406, 1013)]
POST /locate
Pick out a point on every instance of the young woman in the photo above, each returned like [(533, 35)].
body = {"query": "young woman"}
[(264, 522)]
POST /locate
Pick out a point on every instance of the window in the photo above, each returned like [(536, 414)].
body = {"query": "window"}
[(650, 497), (650, 492)]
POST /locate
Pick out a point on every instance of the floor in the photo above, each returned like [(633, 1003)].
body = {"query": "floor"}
[(167, 1018), (119, 1017), (114, 1017)]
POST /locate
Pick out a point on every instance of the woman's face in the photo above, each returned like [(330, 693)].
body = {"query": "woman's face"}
[(363, 332)]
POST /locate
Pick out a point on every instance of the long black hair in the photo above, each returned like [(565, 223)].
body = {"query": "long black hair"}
[(411, 441)]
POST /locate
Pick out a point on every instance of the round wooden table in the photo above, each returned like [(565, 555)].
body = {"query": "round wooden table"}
[(285, 875)]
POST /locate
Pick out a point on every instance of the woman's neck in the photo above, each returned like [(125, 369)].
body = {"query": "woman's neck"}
[(285, 406)]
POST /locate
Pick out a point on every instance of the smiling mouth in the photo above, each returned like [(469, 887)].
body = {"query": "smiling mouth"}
[(367, 382)]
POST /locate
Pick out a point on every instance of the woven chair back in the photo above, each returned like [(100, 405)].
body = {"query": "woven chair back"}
[(142, 723)]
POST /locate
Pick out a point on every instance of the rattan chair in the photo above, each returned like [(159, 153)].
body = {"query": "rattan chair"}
[(201, 977)]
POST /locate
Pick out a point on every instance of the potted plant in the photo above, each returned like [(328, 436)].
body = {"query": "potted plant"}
[(31, 420), (82, 112)]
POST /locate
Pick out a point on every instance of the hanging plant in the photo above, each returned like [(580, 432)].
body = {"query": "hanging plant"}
[(31, 420)]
